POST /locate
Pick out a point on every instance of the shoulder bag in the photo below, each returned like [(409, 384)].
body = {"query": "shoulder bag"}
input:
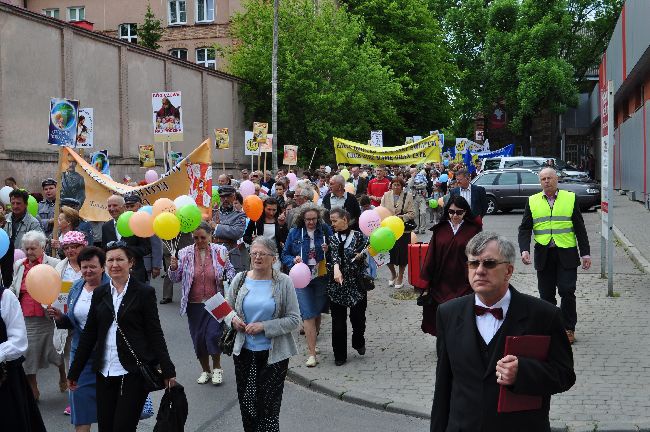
[(409, 225), (227, 341)]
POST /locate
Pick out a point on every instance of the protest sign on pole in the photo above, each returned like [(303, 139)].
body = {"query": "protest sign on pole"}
[(147, 156), (259, 135), (377, 138), (167, 116), (85, 127), (290, 156), (63, 122), (221, 142)]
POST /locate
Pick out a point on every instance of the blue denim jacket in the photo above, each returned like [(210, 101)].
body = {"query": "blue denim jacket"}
[(297, 244)]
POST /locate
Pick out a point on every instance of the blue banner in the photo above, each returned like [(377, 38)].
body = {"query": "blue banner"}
[(508, 150)]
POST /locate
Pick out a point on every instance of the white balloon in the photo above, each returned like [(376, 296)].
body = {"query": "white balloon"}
[(184, 200), (4, 194)]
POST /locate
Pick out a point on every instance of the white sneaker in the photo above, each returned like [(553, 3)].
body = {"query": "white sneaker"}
[(217, 376), (204, 377), (391, 282), (311, 362)]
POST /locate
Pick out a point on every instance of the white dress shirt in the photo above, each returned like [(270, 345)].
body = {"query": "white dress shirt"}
[(338, 202), (467, 194), (117, 233), (455, 228), (12, 315), (112, 365), (487, 323)]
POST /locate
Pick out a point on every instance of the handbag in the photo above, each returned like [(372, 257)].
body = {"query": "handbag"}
[(367, 282), (173, 410), (227, 341), (409, 225), (152, 377)]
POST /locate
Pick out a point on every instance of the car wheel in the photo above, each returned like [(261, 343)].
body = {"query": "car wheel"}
[(506, 210), (492, 205)]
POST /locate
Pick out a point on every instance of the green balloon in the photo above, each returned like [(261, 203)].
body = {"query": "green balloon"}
[(123, 224), (190, 218), (382, 239), (216, 199), (433, 203), (32, 206)]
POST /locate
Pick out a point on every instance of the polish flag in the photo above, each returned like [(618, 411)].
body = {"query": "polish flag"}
[(218, 307)]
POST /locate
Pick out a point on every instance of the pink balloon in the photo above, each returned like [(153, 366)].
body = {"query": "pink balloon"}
[(292, 180), (18, 254), (247, 188), (151, 176), (300, 275), (369, 221)]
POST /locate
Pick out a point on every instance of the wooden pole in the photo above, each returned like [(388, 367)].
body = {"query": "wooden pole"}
[(223, 160), (259, 160), (264, 175)]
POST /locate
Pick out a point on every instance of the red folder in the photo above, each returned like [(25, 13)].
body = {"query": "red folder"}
[(532, 346)]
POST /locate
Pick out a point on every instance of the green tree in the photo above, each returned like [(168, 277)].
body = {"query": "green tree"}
[(150, 31), (331, 81)]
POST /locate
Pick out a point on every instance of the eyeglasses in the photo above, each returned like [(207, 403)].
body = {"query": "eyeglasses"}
[(488, 264), (116, 244), (260, 254), (456, 212)]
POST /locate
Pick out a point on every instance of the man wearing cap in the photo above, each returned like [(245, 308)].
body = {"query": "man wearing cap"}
[(229, 226), (46, 207), (140, 247)]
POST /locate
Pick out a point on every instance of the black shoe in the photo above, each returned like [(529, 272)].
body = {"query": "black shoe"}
[(362, 350), (165, 301), (339, 362)]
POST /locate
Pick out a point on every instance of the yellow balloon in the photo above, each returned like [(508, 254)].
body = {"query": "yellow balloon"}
[(349, 188), (166, 226), (395, 224), (345, 173)]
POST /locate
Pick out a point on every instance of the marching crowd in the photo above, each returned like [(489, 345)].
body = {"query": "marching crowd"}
[(108, 337)]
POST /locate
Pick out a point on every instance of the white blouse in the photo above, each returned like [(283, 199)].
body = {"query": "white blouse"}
[(82, 307), (12, 315)]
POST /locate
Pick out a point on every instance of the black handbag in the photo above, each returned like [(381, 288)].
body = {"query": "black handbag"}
[(409, 225), (152, 377), (227, 341), (367, 283), (173, 411)]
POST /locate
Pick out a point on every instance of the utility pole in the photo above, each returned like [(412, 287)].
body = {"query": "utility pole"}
[(274, 86)]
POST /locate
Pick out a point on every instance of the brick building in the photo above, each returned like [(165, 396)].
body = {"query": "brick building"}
[(191, 27)]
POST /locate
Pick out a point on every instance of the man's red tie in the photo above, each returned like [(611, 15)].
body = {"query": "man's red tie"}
[(496, 312)]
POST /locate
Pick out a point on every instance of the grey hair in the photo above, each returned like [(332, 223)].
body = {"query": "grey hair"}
[(34, 236), (338, 178), (479, 242), (303, 209), (549, 168), (120, 199), (305, 191), (266, 243)]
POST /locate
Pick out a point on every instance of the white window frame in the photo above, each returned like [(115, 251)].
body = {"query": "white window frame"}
[(177, 5), (211, 64), (79, 11), (175, 52), (52, 13), (132, 32), (207, 18)]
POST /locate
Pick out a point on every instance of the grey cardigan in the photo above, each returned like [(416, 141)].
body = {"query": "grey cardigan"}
[(286, 317)]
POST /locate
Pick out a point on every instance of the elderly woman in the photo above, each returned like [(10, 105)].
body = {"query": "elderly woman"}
[(91, 261), (265, 314), (348, 262), (400, 204), (201, 268), (445, 266), (307, 243), (40, 329)]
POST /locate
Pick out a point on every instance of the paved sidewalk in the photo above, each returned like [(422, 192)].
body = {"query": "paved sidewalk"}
[(612, 355), (631, 222)]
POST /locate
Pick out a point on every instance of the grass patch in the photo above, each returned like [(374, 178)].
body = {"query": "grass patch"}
[(616, 294)]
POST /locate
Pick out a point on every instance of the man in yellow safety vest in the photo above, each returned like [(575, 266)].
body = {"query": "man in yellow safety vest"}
[(554, 218)]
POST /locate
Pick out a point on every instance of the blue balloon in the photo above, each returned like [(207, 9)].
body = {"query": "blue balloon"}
[(147, 209), (445, 162), (4, 243), (443, 178)]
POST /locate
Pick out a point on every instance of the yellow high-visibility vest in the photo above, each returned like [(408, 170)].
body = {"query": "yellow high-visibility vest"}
[(553, 224)]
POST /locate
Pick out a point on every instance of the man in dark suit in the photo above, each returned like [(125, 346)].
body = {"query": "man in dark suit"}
[(360, 183), (475, 195), (141, 247), (338, 197), (471, 339), (554, 217)]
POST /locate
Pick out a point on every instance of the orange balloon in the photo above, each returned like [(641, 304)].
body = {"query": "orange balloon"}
[(163, 205), (383, 212), (43, 283), (141, 223), (441, 202), (253, 207), (414, 237), (371, 251), (315, 198)]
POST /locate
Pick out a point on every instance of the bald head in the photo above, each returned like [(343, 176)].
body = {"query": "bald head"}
[(223, 180), (548, 180), (115, 204)]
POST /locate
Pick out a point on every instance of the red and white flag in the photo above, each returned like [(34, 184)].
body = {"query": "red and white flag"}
[(218, 307)]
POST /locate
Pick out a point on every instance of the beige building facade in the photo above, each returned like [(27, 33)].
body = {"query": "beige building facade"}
[(191, 27)]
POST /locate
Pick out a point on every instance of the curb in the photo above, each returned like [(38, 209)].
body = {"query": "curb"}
[(635, 255)]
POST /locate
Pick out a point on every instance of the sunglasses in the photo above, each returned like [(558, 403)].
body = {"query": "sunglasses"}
[(488, 264), (456, 212)]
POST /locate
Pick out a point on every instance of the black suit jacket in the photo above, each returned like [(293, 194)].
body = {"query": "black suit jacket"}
[(137, 317), (140, 247), (466, 392), (351, 205), (479, 204), (362, 185), (567, 256)]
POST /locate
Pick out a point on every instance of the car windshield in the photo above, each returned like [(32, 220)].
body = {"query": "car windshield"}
[(560, 164), (491, 164)]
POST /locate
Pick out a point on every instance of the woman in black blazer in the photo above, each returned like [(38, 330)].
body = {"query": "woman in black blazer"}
[(120, 388)]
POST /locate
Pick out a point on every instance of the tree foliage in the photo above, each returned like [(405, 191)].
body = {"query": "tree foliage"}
[(331, 80), (150, 31)]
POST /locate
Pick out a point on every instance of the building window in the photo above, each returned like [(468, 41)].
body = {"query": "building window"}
[(177, 14), (52, 13), (179, 53), (204, 11), (77, 13), (206, 57), (129, 32)]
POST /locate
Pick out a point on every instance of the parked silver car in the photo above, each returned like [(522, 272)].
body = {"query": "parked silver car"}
[(509, 189)]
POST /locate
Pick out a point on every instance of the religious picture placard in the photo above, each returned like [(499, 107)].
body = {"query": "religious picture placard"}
[(167, 116)]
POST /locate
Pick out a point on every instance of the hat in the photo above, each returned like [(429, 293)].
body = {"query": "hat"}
[(74, 237), (70, 202), (132, 199), (48, 182), (226, 190)]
